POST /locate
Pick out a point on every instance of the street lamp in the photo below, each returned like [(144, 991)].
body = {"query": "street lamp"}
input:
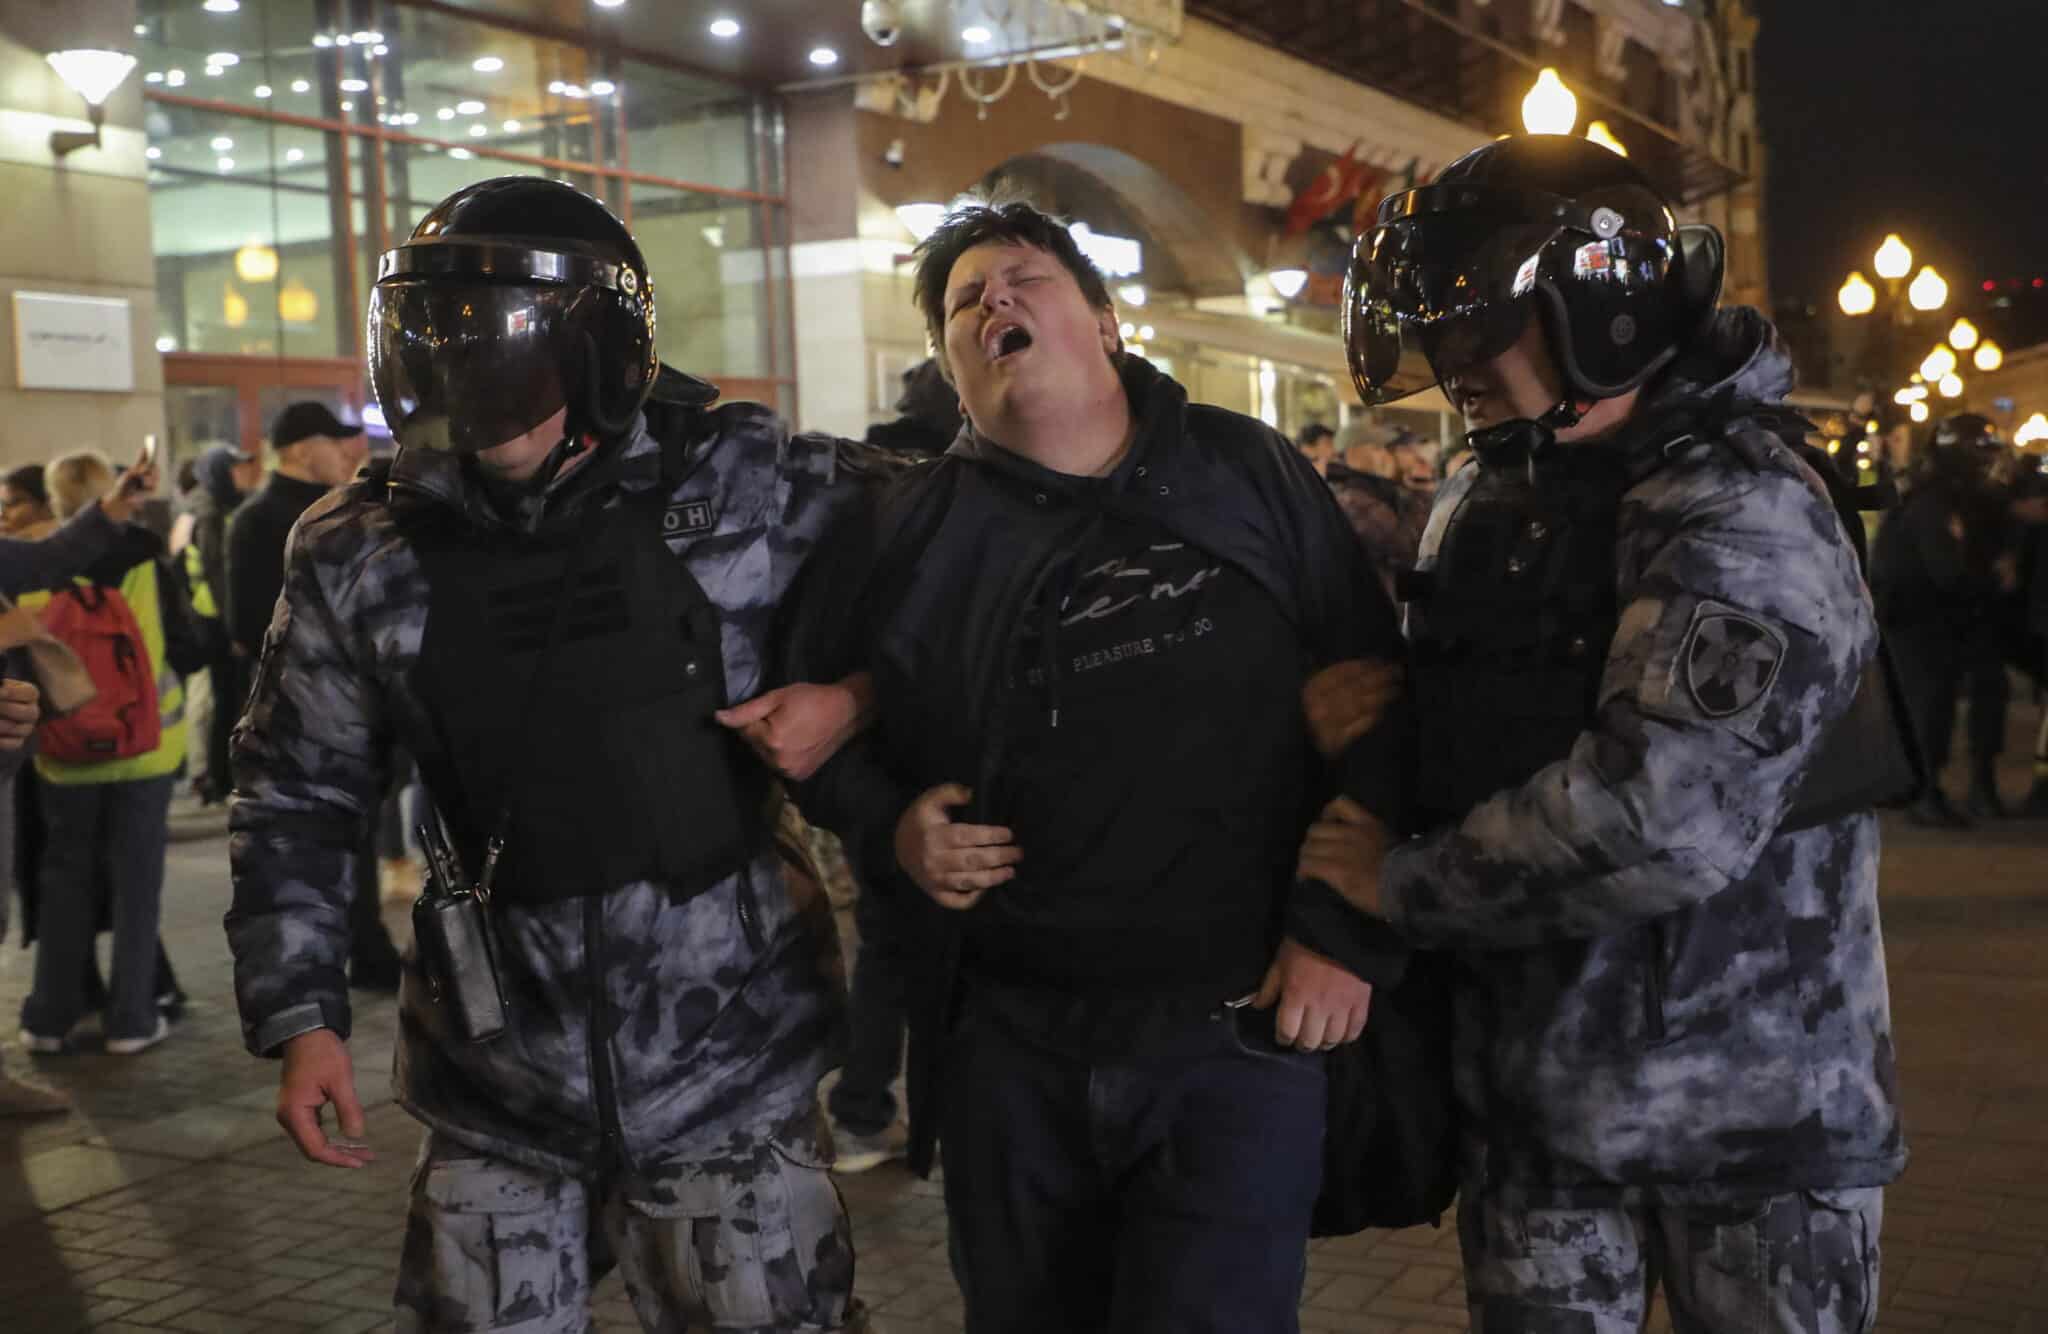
[(1990, 356), (1951, 385), (1918, 412), (93, 75), (1962, 336), (1939, 363), (1549, 107), (2032, 429), (1928, 291), (1601, 135), (1893, 260), (1857, 296)]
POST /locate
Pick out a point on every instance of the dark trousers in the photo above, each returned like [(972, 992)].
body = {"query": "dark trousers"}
[(1935, 667), (863, 1100), (230, 692), (1165, 1192), (111, 833)]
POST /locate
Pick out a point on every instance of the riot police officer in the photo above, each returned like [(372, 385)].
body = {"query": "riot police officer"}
[(545, 602), (1634, 623), (1941, 568)]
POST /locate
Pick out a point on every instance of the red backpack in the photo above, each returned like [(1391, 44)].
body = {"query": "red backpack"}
[(121, 719)]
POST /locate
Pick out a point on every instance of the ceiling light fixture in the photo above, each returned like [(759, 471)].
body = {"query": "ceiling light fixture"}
[(511, 127), (354, 86), (227, 164), (263, 90), (301, 86), (221, 6), (152, 152), (487, 64), (174, 78), (295, 155), (976, 35), (822, 56), (603, 88), (469, 107), (479, 130), (725, 28)]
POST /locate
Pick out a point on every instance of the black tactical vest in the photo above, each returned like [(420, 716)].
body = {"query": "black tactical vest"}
[(610, 763), (1511, 625)]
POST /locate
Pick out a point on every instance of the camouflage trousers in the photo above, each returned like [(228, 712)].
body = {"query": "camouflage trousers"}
[(1805, 1261), (752, 1241)]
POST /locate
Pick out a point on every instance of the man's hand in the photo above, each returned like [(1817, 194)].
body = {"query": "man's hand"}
[(954, 863), (1321, 1005), (20, 707), (1346, 700), (797, 728), (317, 1071), (2007, 571), (130, 490), (1344, 849)]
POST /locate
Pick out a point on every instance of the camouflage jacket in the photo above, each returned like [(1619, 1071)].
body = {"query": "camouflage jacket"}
[(713, 1012), (1661, 996)]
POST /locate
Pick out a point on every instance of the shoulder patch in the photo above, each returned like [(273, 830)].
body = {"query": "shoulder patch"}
[(689, 518), (1728, 660)]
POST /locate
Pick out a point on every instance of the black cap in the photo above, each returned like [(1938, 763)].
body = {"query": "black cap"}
[(302, 421)]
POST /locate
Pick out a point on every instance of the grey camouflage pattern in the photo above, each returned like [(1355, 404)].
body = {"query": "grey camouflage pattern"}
[(715, 1010), (1804, 1262), (754, 1240), (1661, 998)]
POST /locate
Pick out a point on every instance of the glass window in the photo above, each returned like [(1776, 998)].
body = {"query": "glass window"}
[(419, 176), (688, 128), (465, 82), (242, 214), (710, 276)]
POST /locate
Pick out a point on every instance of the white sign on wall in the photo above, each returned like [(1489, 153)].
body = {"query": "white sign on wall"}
[(73, 342)]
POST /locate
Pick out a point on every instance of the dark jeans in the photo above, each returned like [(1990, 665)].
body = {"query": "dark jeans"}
[(863, 1100), (1935, 666), (1169, 1191), (111, 833), (230, 692)]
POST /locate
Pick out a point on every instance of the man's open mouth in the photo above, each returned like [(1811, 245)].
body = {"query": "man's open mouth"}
[(1012, 339)]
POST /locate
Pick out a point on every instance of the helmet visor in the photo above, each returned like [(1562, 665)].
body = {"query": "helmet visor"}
[(1430, 296), (467, 365)]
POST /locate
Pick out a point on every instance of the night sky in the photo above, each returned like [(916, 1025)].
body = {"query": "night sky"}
[(1928, 119)]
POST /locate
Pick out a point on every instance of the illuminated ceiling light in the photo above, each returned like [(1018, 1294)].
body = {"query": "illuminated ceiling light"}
[(343, 39), (295, 155), (1146, 333), (821, 56), (1870, 427), (221, 6), (1288, 282), (1834, 446), (167, 344), (226, 164), (487, 64), (1862, 446), (1990, 356), (725, 29), (1962, 336), (609, 4), (1857, 296), (213, 71), (1939, 363), (479, 130), (152, 152), (221, 143), (354, 86), (1918, 412), (1893, 260), (297, 304), (1127, 329), (368, 38), (603, 87), (511, 127), (1951, 386), (976, 35), (154, 76), (1549, 107), (322, 40), (263, 90), (1131, 294), (224, 59), (347, 105), (921, 220), (411, 118), (462, 153), (174, 78), (556, 86), (1598, 133), (142, 30), (301, 86), (469, 107), (1929, 291), (255, 263), (445, 113), (380, 50)]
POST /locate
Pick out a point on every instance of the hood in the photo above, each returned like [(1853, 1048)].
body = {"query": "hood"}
[(449, 481), (1739, 354), (215, 470), (1157, 402)]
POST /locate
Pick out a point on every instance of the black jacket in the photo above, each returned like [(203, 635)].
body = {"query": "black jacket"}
[(255, 557), (1223, 483)]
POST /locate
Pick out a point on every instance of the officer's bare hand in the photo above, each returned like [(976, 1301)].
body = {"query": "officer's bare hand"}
[(130, 490), (1346, 700), (317, 1071), (1345, 849), (954, 863), (797, 728), (1322, 1006), (20, 706)]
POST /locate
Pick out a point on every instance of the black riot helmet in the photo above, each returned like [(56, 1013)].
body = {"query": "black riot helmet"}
[(514, 298), (1548, 224), (1967, 447)]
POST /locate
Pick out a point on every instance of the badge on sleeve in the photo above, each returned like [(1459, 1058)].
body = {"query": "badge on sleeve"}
[(1729, 661)]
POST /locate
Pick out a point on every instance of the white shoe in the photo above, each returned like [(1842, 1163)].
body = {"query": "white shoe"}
[(43, 1046), (20, 1098), (864, 1153), (130, 1046)]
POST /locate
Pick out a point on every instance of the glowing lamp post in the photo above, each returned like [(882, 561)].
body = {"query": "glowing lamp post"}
[(1550, 107)]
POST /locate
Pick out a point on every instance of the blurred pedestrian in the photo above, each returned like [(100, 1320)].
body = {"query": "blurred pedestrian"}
[(25, 504), (1318, 443), (107, 773), (225, 475), (1940, 569), (19, 713), (1384, 509), (928, 415)]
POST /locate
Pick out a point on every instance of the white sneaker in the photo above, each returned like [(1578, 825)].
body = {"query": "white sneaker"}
[(20, 1098), (130, 1046), (864, 1153), (43, 1046)]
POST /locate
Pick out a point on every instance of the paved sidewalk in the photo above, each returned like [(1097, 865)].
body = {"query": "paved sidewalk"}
[(170, 1201)]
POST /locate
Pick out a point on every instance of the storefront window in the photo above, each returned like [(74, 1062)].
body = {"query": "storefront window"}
[(710, 281), (688, 128)]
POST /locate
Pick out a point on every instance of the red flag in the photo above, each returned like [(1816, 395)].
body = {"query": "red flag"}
[(1365, 214), (1333, 187)]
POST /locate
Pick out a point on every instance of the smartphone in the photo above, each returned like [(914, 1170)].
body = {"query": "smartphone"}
[(149, 450)]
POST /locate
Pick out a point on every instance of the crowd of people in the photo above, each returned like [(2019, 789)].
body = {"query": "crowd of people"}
[(1159, 819)]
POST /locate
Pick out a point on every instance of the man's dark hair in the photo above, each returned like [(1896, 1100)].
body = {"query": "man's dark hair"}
[(28, 479), (1314, 434), (978, 222)]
